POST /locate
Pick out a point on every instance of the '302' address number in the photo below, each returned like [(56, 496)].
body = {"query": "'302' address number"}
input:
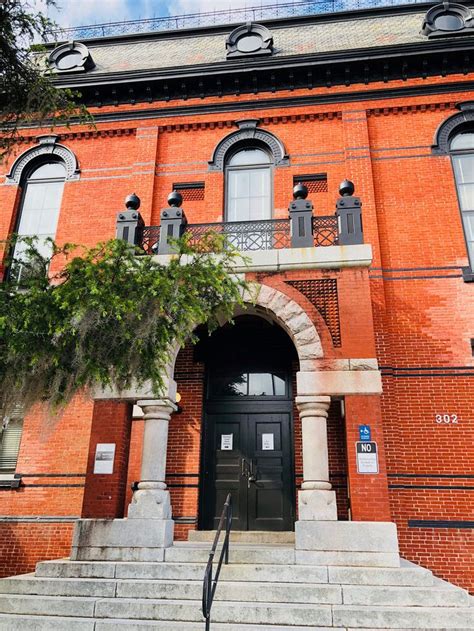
[(448, 419)]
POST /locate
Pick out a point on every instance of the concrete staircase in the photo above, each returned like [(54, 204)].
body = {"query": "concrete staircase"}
[(261, 589)]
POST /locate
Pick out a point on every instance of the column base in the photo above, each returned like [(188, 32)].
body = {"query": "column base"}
[(150, 503), (348, 543), (121, 539), (317, 504)]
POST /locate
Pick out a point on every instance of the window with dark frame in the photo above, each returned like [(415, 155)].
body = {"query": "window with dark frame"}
[(249, 185), (462, 155), (10, 439), (39, 209)]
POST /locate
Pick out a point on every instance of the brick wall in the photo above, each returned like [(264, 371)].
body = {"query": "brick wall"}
[(415, 313)]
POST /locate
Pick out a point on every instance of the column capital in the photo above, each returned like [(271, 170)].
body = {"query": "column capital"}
[(313, 405), (157, 408)]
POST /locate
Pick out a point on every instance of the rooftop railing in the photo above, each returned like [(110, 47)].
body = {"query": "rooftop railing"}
[(301, 229), (225, 16)]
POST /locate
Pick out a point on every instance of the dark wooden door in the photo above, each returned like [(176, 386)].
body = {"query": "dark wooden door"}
[(248, 452)]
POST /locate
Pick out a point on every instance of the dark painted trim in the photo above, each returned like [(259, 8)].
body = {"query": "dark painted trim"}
[(431, 487), (281, 102), (412, 269), (182, 486), (52, 475), (430, 475), (68, 486), (38, 518), (434, 523), (185, 520), (437, 276)]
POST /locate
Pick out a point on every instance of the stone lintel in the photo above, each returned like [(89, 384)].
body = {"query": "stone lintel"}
[(134, 393), (338, 382)]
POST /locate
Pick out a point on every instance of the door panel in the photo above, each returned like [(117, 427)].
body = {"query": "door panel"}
[(269, 498), (225, 474), (244, 445)]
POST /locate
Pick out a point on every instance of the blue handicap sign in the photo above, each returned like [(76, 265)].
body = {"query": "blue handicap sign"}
[(364, 433)]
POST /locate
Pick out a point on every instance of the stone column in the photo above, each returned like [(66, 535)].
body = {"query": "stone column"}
[(316, 500), (151, 500)]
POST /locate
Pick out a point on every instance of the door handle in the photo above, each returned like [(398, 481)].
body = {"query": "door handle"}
[(252, 474)]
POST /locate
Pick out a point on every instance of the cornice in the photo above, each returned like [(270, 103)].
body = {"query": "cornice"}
[(82, 135)]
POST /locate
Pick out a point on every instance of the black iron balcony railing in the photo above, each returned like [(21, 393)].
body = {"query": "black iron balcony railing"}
[(301, 230), (245, 235)]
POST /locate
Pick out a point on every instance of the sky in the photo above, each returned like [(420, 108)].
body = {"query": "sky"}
[(82, 12)]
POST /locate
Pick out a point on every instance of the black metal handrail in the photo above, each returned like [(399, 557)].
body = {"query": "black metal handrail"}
[(210, 583)]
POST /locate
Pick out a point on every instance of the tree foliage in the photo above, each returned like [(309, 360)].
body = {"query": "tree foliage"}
[(108, 318), (27, 94)]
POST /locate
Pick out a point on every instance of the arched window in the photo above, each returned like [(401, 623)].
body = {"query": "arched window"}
[(38, 215), (462, 155), (249, 185)]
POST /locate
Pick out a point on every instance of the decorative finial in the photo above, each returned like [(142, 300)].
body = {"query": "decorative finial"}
[(300, 191), (346, 188), (132, 202), (175, 199)]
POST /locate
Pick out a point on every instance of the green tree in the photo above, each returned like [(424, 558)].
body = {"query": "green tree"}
[(108, 318), (27, 94)]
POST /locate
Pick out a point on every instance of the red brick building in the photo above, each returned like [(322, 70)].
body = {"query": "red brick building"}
[(371, 327)]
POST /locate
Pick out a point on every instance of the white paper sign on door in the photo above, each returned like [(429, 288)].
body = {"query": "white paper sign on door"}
[(268, 443), (227, 441)]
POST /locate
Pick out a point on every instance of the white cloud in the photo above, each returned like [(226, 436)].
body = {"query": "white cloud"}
[(75, 13), (177, 7)]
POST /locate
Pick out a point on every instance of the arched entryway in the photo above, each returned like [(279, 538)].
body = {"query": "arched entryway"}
[(247, 438)]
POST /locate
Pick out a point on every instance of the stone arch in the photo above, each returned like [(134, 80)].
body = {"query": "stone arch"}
[(248, 132), (451, 126), (48, 145), (289, 315)]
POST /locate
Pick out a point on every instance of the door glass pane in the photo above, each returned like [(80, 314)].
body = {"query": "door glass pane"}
[(230, 385), (266, 384)]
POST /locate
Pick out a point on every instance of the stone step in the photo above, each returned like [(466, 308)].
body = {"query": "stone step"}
[(240, 553), (30, 584), (404, 596), (233, 591), (376, 617), (73, 606), (64, 568), (243, 536), (442, 594), (408, 574), (44, 623), (222, 611), (182, 571), (10, 622)]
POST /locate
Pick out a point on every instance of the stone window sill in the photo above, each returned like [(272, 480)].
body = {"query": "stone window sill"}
[(10, 481), (468, 275)]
